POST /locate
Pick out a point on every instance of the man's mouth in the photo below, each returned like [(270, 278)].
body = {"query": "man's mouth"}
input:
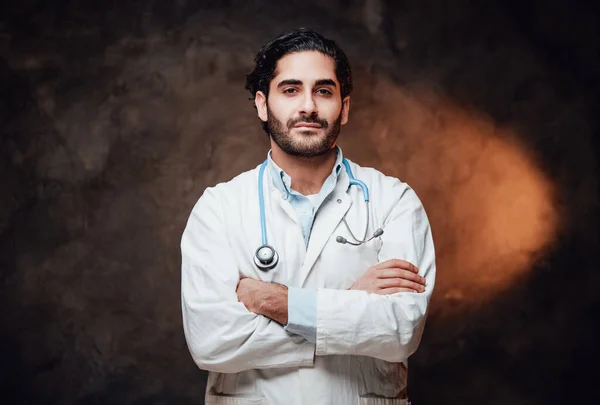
[(307, 125)]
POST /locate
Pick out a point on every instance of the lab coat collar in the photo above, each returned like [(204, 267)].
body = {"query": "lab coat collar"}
[(283, 182)]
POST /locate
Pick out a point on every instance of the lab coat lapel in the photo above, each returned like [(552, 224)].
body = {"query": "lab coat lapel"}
[(326, 221)]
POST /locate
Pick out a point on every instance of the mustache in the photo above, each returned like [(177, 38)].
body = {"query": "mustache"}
[(307, 120)]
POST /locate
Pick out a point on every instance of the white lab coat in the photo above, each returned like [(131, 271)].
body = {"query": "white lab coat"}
[(363, 340)]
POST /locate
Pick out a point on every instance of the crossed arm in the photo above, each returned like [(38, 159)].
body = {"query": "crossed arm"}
[(390, 277), (221, 320)]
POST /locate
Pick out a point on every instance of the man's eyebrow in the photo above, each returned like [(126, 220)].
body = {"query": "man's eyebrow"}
[(289, 82), (325, 82)]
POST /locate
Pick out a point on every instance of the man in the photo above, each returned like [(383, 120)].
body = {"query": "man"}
[(330, 306)]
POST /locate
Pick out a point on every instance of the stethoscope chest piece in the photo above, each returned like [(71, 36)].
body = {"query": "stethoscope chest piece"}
[(266, 258)]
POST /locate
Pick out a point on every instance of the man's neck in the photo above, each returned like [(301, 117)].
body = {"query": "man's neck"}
[(307, 174)]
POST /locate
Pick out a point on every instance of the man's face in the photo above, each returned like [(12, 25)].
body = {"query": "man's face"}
[(304, 110)]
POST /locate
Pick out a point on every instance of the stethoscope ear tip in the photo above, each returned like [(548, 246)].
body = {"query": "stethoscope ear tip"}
[(376, 234)]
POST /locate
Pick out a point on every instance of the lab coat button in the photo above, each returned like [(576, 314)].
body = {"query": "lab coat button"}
[(339, 200)]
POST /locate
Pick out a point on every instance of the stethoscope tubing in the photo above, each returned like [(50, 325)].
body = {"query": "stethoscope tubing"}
[(266, 264), (261, 203)]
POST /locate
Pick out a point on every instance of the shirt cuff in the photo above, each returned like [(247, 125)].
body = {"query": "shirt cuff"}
[(302, 313)]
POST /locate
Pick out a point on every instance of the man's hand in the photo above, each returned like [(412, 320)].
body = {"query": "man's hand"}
[(390, 277), (262, 298)]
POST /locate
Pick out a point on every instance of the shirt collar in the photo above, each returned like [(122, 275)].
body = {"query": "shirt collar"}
[(283, 182)]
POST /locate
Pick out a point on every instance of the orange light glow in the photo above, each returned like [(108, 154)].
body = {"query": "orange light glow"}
[(491, 208)]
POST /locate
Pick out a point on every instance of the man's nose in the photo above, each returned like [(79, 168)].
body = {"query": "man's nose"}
[(308, 106)]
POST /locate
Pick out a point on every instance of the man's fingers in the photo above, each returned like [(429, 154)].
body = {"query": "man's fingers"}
[(399, 283), (387, 291), (396, 263), (400, 273)]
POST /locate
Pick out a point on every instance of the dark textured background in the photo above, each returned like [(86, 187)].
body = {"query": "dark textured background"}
[(117, 114)]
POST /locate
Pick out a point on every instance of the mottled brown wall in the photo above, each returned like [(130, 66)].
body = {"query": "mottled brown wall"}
[(116, 116)]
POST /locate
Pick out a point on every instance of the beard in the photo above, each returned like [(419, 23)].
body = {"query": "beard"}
[(306, 143)]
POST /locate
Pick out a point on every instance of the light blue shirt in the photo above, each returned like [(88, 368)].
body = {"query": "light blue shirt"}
[(302, 302)]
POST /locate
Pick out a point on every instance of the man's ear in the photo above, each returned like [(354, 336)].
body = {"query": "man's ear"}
[(345, 109), (260, 100)]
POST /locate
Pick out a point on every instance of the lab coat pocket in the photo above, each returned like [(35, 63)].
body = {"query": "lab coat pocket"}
[(345, 263), (374, 244), (367, 400), (212, 399)]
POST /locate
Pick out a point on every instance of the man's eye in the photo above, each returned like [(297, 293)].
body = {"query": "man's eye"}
[(324, 91), (289, 91)]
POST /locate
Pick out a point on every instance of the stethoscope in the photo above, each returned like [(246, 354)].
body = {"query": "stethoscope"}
[(267, 258)]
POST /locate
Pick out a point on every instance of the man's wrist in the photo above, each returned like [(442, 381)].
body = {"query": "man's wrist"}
[(271, 296), (272, 302)]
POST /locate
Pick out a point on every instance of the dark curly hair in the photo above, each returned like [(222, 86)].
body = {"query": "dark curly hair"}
[(302, 39)]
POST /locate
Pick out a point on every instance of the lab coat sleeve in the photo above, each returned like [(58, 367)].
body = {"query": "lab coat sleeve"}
[(387, 327), (222, 335)]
